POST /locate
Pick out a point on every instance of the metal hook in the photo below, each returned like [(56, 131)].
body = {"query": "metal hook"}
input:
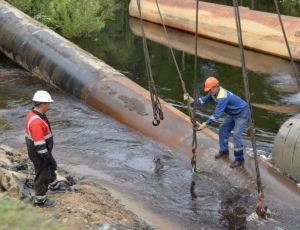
[(156, 122)]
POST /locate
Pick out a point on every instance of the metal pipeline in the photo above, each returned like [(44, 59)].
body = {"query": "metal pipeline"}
[(286, 151), (261, 30), (58, 61)]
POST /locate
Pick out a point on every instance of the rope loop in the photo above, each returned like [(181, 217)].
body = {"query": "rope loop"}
[(155, 122)]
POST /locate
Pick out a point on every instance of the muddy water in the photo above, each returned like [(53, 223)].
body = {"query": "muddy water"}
[(91, 144)]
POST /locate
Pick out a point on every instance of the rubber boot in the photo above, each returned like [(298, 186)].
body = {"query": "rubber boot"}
[(221, 154), (236, 163), (58, 187), (239, 159), (43, 202)]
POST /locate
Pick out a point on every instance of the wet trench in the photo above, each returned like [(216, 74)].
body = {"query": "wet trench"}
[(93, 145)]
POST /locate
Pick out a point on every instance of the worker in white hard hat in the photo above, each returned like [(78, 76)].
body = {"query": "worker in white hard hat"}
[(39, 141)]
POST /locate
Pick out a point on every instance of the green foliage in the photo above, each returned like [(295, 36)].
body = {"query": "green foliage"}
[(290, 7), (46, 20), (78, 18), (71, 18), (23, 5), (19, 216)]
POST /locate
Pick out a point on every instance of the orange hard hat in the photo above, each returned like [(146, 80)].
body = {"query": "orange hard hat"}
[(210, 83)]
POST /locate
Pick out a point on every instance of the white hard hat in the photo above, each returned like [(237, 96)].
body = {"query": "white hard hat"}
[(42, 96)]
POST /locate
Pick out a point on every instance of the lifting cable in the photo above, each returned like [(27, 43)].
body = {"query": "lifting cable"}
[(156, 106), (173, 55), (247, 94), (194, 143), (296, 72)]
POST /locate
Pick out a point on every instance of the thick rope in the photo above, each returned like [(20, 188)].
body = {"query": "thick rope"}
[(173, 57), (156, 106), (195, 143), (296, 72), (247, 94)]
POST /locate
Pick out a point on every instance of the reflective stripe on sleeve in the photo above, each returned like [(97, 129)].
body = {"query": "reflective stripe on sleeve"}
[(42, 151), (48, 136)]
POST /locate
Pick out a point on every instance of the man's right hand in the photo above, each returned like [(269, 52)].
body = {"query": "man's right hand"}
[(188, 98)]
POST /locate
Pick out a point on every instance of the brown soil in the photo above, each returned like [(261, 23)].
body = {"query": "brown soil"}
[(86, 206)]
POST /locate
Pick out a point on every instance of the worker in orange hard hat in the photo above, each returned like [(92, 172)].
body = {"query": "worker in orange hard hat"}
[(237, 117), (210, 83)]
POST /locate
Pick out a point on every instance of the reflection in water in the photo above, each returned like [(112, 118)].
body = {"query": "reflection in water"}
[(192, 190), (284, 83), (220, 52), (212, 50), (287, 109)]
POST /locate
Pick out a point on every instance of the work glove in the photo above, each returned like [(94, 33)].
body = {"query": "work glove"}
[(201, 126), (187, 98)]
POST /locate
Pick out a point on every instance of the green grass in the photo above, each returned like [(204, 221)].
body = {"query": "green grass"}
[(16, 215)]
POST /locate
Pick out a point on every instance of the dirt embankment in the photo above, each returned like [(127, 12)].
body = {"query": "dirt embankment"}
[(85, 206)]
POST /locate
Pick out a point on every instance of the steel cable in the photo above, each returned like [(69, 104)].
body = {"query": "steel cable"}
[(156, 105), (247, 94)]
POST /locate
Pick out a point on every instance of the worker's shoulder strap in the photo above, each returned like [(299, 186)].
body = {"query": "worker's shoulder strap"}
[(222, 93)]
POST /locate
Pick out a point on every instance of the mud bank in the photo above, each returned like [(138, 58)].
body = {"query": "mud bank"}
[(86, 205)]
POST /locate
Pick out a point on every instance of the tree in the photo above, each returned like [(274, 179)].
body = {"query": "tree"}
[(71, 18)]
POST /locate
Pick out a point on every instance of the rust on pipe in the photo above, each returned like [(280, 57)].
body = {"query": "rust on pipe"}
[(261, 30), (58, 61)]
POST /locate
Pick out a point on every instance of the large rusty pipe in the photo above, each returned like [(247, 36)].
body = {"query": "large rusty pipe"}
[(261, 30), (58, 61)]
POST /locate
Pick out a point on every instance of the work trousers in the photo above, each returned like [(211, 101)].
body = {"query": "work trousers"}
[(44, 172), (238, 125)]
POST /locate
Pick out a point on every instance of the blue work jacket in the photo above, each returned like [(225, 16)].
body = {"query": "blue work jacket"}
[(227, 102)]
